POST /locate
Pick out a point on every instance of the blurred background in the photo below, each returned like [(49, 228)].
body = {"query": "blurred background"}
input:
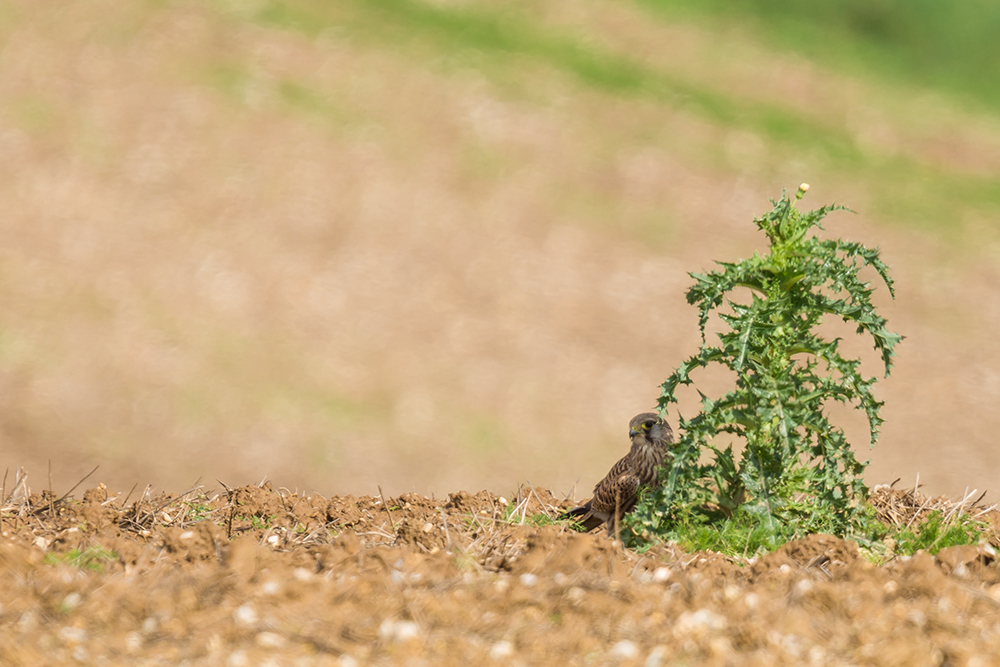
[(437, 245)]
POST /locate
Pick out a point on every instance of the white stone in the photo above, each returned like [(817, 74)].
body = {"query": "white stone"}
[(133, 642), (655, 657), (624, 650), (27, 622), (502, 649), (245, 615), (269, 640), (72, 635), (698, 623), (398, 631)]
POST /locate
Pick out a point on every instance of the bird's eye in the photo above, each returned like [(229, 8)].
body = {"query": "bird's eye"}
[(648, 424)]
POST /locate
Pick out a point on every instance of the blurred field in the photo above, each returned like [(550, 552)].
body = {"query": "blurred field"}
[(441, 246)]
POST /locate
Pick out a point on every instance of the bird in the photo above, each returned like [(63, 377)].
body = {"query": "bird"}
[(616, 494)]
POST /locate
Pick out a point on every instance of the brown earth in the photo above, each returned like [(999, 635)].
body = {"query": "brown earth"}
[(261, 576)]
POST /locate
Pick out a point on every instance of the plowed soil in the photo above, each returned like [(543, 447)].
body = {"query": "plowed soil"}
[(261, 576)]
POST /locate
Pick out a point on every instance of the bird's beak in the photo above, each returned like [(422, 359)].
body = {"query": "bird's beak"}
[(632, 433)]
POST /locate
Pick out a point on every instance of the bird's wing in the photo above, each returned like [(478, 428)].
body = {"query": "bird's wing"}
[(617, 490), (623, 467), (628, 492)]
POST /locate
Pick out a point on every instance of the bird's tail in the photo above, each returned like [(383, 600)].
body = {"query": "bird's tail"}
[(583, 516), (576, 511)]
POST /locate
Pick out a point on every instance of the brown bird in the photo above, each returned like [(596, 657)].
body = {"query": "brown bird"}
[(618, 492)]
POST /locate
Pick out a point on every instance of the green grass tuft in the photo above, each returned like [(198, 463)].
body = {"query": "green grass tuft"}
[(936, 532), (92, 558)]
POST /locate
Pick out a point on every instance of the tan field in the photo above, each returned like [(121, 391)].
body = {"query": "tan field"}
[(233, 250)]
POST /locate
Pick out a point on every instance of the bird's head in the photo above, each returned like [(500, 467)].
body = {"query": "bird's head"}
[(649, 428)]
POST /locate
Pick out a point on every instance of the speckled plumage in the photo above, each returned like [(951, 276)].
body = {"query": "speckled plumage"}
[(617, 493)]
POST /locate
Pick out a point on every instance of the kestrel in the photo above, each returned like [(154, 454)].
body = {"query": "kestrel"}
[(617, 493)]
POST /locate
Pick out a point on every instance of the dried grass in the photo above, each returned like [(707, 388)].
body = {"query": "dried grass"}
[(485, 529), (906, 508)]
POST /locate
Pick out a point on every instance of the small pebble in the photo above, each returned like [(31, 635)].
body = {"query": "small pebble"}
[(133, 642), (655, 657), (398, 631), (698, 623), (501, 650), (624, 650), (73, 635), (27, 622), (269, 640), (245, 615)]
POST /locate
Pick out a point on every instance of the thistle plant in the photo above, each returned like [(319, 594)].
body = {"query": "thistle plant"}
[(796, 472)]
